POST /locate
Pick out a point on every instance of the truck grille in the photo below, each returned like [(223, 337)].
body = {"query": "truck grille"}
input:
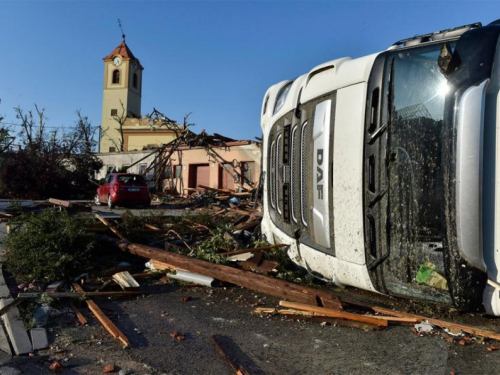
[(303, 172)]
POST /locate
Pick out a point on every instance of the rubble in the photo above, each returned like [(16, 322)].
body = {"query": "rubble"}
[(211, 247)]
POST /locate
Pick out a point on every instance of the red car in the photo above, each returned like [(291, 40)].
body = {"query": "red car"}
[(122, 189)]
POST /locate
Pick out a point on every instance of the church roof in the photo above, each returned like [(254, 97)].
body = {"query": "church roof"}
[(121, 50)]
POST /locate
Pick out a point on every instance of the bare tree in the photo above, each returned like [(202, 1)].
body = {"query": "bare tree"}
[(5, 139), (57, 163), (31, 136), (121, 119), (85, 132)]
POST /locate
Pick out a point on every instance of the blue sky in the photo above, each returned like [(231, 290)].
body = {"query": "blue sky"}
[(215, 59)]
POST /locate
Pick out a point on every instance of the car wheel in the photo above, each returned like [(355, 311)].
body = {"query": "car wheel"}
[(97, 202), (110, 202)]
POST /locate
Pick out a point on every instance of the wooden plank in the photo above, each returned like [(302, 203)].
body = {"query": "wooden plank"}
[(441, 323), (396, 319), (157, 265), (15, 329), (248, 225), (264, 267), (60, 202), (125, 280), (222, 191), (255, 249), (268, 285), (238, 369), (11, 305), (312, 317), (334, 313), (113, 229), (494, 284), (103, 319), (78, 314), (80, 295)]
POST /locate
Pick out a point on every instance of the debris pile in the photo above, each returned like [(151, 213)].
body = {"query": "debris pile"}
[(210, 247)]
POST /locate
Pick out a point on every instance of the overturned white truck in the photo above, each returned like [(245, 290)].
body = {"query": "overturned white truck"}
[(383, 172)]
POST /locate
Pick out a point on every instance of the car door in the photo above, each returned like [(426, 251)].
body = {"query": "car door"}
[(104, 190)]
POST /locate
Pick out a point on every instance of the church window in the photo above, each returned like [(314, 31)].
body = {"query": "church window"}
[(116, 76), (135, 80), (114, 112)]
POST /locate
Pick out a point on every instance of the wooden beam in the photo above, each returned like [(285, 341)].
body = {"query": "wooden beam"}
[(263, 284), (79, 294), (113, 229), (334, 313), (60, 202), (441, 323), (11, 305), (103, 319), (312, 317), (255, 249), (494, 284), (125, 280), (78, 314), (238, 370)]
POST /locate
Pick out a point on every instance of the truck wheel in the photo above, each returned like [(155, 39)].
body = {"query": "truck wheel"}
[(110, 202)]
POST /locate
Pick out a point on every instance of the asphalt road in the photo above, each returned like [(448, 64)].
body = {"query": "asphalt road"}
[(262, 345)]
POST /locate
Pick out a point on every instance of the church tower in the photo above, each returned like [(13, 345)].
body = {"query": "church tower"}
[(122, 95)]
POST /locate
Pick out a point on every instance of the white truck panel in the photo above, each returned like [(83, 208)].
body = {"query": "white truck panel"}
[(321, 173), (348, 174)]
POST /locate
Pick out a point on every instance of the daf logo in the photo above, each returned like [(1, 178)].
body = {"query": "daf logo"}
[(319, 173)]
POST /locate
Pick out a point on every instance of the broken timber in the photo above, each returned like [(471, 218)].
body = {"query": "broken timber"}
[(321, 311), (255, 249), (103, 319), (263, 284), (238, 370), (113, 229), (60, 202), (78, 314), (441, 323), (125, 280), (312, 317)]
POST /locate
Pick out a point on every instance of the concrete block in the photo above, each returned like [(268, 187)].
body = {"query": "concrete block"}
[(39, 338), (15, 329)]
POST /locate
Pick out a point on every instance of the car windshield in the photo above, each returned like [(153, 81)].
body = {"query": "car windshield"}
[(131, 179), (415, 143)]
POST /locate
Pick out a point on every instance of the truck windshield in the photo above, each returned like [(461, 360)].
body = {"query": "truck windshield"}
[(415, 94)]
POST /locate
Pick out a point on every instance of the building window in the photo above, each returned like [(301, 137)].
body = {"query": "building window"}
[(142, 168), (178, 171), (135, 80), (114, 112), (168, 171), (116, 76)]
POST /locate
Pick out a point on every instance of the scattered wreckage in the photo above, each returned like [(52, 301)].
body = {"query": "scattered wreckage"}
[(173, 254)]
